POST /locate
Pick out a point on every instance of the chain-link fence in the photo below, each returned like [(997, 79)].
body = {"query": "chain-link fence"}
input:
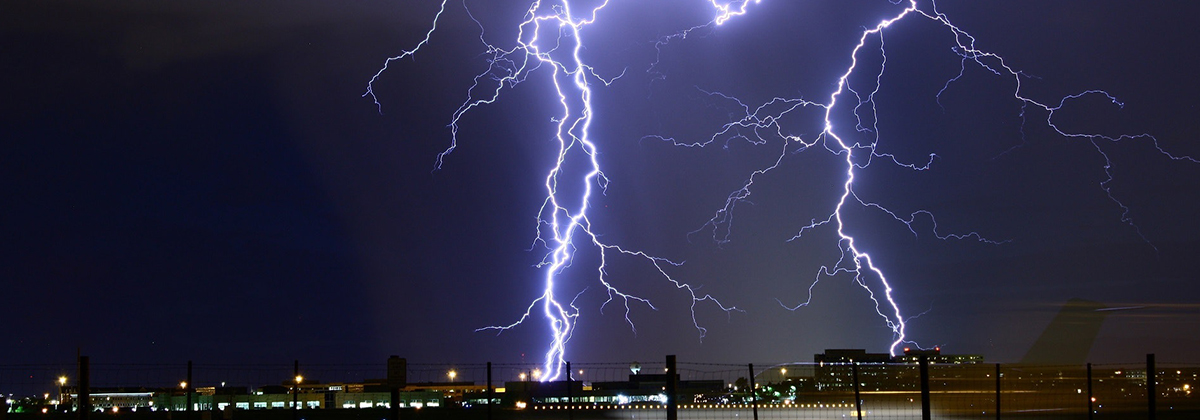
[(841, 390)]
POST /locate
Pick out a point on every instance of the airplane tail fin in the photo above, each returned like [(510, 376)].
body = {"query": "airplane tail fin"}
[(1069, 337)]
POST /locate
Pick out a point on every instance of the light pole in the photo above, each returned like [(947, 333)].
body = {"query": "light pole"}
[(62, 384), (296, 391)]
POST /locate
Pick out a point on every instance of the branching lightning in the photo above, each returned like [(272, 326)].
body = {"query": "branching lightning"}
[(549, 42), (548, 45)]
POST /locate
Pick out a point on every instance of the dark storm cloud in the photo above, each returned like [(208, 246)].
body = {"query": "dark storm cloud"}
[(147, 35)]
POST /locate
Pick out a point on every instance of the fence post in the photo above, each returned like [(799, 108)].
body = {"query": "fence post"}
[(490, 391), (672, 400), (926, 414), (187, 389), (570, 406), (394, 407), (85, 392), (295, 390), (1089, 387), (753, 394), (1151, 378), (997, 391), (857, 391)]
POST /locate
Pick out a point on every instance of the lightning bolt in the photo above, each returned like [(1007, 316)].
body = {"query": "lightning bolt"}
[(548, 45), (855, 261)]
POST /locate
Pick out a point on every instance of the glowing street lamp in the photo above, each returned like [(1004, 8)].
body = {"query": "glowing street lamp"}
[(452, 374), (521, 376), (296, 395), (783, 372), (62, 382)]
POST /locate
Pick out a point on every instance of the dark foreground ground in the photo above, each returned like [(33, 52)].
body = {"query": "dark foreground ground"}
[(648, 414)]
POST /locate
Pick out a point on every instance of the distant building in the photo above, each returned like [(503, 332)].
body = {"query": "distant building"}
[(639, 389), (879, 371), (935, 356), (112, 399), (835, 369), (311, 394)]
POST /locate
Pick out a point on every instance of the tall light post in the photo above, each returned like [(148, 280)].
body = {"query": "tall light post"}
[(296, 391), (62, 384), (187, 398), (296, 396)]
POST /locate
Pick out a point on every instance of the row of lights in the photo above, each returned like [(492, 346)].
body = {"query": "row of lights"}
[(452, 374), (62, 380), (535, 374), (685, 406)]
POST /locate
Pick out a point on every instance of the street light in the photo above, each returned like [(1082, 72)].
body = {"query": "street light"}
[(452, 374), (296, 396), (62, 382), (182, 384), (783, 371)]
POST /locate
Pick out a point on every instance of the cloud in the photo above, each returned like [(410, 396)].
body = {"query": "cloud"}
[(148, 34)]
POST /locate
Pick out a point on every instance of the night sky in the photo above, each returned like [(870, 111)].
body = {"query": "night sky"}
[(197, 180)]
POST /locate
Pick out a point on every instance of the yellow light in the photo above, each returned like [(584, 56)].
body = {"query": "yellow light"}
[(522, 376), (783, 371), (299, 379), (183, 384), (62, 380), (452, 374), (537, 373)]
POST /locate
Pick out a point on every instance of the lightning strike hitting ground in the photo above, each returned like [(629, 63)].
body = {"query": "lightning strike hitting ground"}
[(562, 220), (548, 44)]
